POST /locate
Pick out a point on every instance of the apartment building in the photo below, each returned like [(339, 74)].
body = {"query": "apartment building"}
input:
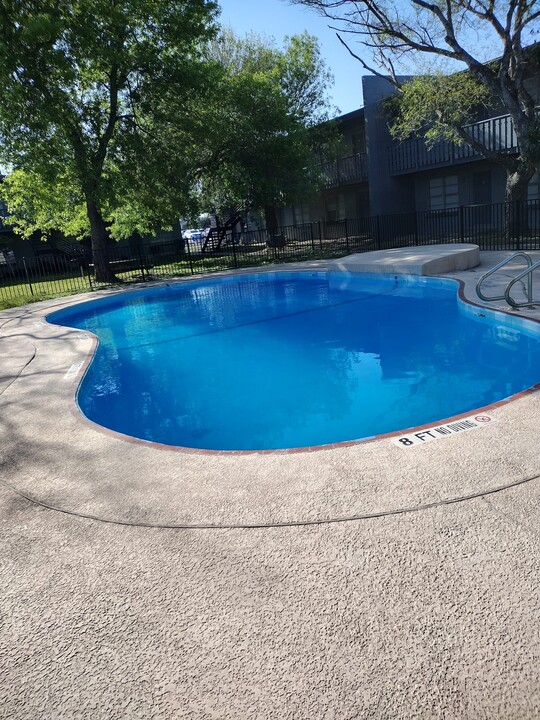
[(383, 176), (346, 192)]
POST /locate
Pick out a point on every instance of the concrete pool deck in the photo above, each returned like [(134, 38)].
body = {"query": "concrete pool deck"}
[(422, 614)]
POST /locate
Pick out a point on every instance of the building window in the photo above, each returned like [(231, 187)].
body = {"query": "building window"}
[(481, 188), (362, 204), (301, 214), (443, 193), (335, 208)]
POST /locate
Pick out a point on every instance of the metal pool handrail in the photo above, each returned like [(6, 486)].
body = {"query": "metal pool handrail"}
[(505, 295), (527, 272)]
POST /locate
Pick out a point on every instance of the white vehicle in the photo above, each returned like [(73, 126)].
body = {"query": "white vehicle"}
[(194, 234)]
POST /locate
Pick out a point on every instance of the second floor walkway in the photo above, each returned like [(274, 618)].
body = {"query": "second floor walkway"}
[(412, 155), (345, 171)]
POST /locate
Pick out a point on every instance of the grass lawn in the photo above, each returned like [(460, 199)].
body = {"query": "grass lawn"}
[(15, 292)]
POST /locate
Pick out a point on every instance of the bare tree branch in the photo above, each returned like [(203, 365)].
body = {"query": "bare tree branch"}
[(369, 68)]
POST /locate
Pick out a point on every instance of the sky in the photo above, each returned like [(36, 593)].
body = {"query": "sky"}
[(277, 18)]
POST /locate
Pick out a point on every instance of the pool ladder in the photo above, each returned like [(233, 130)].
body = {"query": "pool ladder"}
[(527, 273)]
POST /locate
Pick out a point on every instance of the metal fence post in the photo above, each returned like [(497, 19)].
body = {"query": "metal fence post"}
[(378, 230), (89, 273), (535, 224), (141, 262), (312, 238), (28, 277), (234, 250), (519, 224), (186, 240), (461, 224), (346, 235)]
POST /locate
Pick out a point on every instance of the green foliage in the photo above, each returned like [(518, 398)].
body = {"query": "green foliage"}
[(93, 99), (304, 79), (131, 115), (36, 203), (264, 125), (435, 106)]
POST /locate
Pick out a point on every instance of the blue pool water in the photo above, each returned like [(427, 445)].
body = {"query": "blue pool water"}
[(294, 359)]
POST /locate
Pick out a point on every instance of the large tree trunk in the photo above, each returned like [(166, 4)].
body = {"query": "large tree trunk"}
[(99, 235), (516, 214), (517, 183)]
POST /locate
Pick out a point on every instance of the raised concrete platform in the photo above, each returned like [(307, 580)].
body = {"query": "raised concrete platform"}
[(418, 260)]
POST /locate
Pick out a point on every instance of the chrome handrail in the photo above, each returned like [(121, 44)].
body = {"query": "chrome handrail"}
[(498, 267), (528, 271)]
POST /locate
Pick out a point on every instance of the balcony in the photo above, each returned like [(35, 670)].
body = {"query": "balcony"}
[(413, 155), (345, 171)]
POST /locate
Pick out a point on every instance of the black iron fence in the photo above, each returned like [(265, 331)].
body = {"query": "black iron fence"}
[(492, 227)]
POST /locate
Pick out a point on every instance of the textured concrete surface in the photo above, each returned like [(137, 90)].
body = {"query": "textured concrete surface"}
[(422, 260), (426, 614)]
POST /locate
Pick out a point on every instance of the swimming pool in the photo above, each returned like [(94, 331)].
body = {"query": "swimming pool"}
[(286, 360)]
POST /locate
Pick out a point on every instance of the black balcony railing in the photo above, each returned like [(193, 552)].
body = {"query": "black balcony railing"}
[(412, 155), (346, 170)]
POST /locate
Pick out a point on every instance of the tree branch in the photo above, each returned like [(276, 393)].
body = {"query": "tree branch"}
[(105, 138), (391, 77), (507, 161)]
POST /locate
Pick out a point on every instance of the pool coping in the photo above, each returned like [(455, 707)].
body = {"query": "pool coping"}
[(55, 458), (460, 291)]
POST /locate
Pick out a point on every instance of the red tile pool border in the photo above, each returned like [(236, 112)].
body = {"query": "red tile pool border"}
[(77, 413)]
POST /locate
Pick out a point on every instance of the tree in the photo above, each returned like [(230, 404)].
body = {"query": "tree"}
[(95, 118), (453, 31), (264, 130)]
